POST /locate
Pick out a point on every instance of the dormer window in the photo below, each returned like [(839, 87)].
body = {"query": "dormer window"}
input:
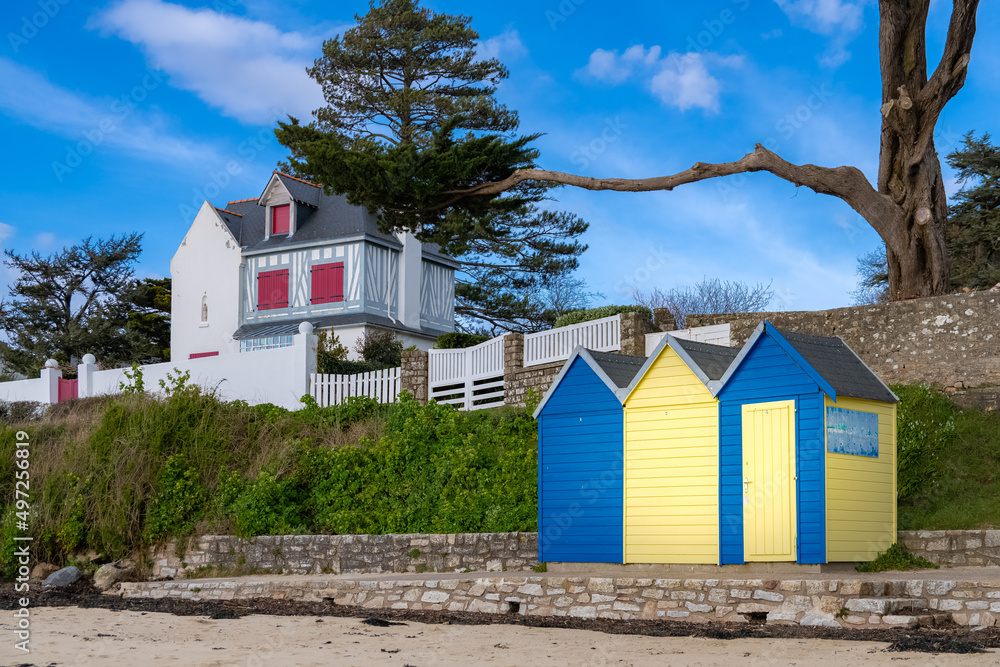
[(280, 219)]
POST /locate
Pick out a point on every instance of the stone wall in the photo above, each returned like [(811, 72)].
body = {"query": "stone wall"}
[(518, 381), (954, 547), (633, 334), (351, 554), (953, 341), (985, 399), (856, 601), (413, 374)]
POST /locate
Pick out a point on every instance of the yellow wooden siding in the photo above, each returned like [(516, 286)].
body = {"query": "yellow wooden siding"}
[(671, 467), (861, 491)]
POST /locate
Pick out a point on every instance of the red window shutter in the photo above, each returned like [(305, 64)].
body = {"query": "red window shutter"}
[(280, 219), (337, 281), (281, 289), (202, 355), (264, 291), (318, 283), (272, 290), (328, 283)]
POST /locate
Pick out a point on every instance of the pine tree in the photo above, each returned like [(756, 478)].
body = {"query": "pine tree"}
[(973, 231), (411, 113)]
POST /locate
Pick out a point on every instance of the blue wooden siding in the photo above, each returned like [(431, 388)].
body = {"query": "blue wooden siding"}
[(767, 373), (580, 457)]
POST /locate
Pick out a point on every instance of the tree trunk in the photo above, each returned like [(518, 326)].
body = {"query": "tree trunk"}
[(909, 167), (915, 242)]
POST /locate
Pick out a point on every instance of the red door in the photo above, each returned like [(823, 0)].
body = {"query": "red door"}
[(67, 389)]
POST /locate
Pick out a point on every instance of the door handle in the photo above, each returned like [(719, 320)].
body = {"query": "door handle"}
[(746, 486)]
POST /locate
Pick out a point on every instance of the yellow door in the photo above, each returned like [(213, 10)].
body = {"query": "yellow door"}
[(769, 481)]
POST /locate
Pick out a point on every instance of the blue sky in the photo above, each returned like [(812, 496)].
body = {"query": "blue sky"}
[(126, 115)]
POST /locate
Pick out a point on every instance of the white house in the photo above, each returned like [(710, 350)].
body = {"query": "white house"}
[(247, 275)]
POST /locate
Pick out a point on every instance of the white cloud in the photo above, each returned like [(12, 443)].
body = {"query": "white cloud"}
[(505, 46), (826, 17), (6, 232), (841, 20), (30, 98), (244, 68), (680, 80)]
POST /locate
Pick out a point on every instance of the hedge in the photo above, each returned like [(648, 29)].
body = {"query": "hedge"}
[(586, 315)]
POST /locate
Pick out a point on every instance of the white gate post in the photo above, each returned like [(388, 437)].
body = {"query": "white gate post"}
[(85, 376), (305, 359), (50, 381)]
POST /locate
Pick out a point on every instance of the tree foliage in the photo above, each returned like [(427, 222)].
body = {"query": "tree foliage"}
[(74, 302), (974, 220), (411, 113), (709, 296), (149, 315)]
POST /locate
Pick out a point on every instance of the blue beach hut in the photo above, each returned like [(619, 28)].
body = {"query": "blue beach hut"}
[(807, 453), (580, 459)]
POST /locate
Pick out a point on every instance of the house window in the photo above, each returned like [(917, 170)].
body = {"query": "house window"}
[(265, 343), (328, 283), (202, 355), (204, 310), (280, 219), (272, 290)]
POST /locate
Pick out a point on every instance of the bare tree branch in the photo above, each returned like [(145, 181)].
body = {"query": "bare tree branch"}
[(847, 183)]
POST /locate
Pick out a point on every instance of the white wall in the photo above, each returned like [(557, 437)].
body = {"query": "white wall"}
[(349, 336), (207, 264), (279, 376), (43, 389), (716, 334)]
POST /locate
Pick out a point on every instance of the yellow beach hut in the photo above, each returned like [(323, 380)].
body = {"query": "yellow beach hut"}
[(671, 447)]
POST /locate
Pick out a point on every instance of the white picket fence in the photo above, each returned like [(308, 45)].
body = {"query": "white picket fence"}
[(603, 335), (717, 334), (471, 378), (383, 386)]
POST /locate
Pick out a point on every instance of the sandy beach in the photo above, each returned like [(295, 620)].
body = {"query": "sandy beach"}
[(98, 637)]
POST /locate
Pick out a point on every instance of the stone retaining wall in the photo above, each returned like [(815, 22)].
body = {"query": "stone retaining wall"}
[(518, 381), (480, 552), (351, 554), (853, 602), (949, 340), (954, 547)]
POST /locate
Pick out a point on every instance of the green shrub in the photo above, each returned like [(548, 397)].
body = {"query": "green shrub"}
[(179, 502), (8, 531), (380, 346), (588, 314), (136, 469), (925, 426), (896, 557), (457, 340)]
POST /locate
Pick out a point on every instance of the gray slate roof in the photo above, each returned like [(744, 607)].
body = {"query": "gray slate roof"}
[(320, 217), (620, 368), (291, 327), (714, 360), (840, 366)]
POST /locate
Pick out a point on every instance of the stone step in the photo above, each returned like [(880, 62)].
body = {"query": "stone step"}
[(920, 619), (886, 606)]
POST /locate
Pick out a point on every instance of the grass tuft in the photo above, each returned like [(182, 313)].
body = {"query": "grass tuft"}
[(896, 557)]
